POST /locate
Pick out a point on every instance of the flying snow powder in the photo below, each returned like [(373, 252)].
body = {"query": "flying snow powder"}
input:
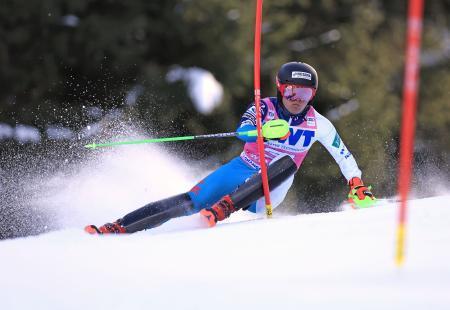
[(204, 90)]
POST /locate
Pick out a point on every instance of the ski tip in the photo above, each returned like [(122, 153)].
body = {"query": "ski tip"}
[(208, 218), (92, 229)]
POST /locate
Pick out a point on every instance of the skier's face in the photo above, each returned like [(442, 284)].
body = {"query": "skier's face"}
[(295, 98), (294, 106)]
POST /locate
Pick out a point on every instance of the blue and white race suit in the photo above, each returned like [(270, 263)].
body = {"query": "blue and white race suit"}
[(304, 131)]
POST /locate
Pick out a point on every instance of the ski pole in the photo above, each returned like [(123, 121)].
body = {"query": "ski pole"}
[(272, 130), (171, 139)]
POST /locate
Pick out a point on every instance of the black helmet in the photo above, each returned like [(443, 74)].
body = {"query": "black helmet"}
[(297, 73)]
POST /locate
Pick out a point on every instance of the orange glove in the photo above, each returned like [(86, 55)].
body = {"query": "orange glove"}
[(360, 194)]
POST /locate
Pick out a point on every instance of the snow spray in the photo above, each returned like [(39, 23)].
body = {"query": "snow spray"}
[(58, 188)]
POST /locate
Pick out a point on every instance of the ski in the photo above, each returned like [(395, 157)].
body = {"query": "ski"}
[(346, 205)]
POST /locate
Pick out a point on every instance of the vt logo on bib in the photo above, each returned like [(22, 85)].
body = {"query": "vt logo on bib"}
[(296, 134)]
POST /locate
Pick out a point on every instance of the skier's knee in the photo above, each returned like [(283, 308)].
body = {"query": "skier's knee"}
[(198, 202)]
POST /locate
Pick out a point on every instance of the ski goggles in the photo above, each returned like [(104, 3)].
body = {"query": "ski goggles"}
[(297, 92)]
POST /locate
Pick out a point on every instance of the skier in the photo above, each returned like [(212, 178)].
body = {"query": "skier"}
[(237, 184)]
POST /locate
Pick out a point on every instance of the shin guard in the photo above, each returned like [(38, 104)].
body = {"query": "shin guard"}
[(249, 192), (252, 190), (157, 213)]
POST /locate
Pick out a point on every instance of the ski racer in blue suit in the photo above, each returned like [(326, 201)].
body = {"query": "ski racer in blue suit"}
[(237, 184)]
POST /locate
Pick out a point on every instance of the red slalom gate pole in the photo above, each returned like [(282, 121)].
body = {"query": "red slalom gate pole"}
[(259, 139), (410, 91)]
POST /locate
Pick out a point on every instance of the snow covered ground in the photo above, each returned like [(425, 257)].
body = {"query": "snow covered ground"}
[(341, 260)]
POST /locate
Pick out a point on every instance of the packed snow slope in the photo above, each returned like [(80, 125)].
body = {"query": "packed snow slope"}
[(340, 260)]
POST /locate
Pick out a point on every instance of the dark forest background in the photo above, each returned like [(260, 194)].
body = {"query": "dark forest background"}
[(60, 57)]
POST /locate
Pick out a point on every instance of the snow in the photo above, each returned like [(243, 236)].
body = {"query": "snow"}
[(121, 180), (205, 91), (308, 43), (343, 110), (6, 131), (27, 134), (55, 132), (70, 20), (22, 133), (342, 260), (133, 94), (90, 130), (93, 111), (233, 14)]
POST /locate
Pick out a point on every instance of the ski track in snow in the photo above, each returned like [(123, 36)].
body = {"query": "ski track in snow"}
[(341, 260)]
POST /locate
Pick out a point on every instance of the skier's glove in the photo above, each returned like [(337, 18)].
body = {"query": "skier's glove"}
[(273, 129), (360, 195), (276, 129)]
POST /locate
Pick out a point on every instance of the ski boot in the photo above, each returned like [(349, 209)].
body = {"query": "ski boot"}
[(109, 228), (219, 211)]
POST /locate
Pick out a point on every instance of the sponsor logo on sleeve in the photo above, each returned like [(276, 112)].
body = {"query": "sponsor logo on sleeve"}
[(301, 75), (346, 152), (336, 141)]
